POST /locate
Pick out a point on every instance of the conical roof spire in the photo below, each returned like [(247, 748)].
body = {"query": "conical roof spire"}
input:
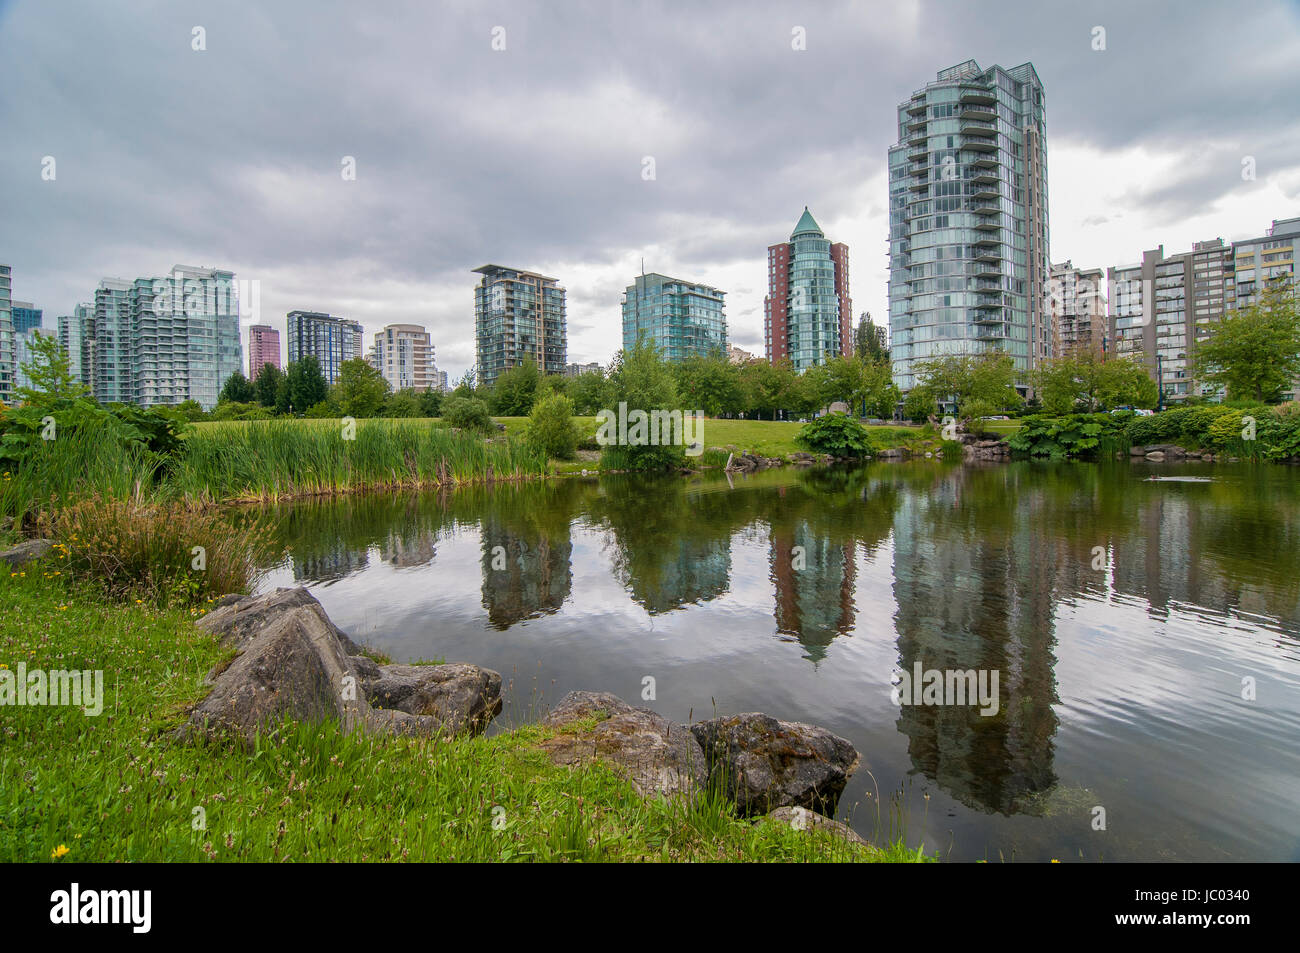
[(806, 224)]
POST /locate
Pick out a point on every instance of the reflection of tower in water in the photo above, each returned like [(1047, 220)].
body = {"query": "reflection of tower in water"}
[(524, 575), (330, 565), (974, 588), (688, 572), (813, 579), (402, 552)]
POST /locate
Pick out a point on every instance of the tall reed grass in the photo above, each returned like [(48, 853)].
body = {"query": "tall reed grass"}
[(75, 465), (279, 459)]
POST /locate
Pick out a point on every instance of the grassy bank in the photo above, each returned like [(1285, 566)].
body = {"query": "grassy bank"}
[(117, 788)]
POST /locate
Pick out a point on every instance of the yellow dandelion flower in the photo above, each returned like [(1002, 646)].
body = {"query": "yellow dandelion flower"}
[(60, 851)]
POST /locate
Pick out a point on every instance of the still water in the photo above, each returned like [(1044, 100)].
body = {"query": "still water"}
[(1146, 632)]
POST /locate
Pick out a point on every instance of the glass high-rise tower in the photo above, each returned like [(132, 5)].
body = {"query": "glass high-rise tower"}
[(518, 316), (807, 314), (681, 318), (162, 340), (7, 370), (968, 235)]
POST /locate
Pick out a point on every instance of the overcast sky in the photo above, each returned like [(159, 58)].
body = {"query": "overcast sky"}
[(533, 156)]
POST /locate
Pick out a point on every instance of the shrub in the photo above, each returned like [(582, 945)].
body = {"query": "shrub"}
[(1163, 427), (125, 548), (973, 412), (919, 405), (323, 410), (233, 411), (467, 413), (639, 378), (515, 391), (1280, 433), (837, 434), (1069, 435), (550, 427)]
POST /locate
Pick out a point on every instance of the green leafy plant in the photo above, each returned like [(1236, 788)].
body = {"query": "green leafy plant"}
[(1070, 435), (837, 434)]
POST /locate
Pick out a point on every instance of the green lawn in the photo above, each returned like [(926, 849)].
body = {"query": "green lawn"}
[(117, 787), (1002, 427)]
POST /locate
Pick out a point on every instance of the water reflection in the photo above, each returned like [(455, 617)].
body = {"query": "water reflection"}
[(999, 568)]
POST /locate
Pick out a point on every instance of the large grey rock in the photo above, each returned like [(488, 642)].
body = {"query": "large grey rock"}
[(762, 763), (294, 663), (460, 697), (1168, 449), (292, 667), (985, 449), (238, 618), (28, 551), (657, 755), (802, 819)]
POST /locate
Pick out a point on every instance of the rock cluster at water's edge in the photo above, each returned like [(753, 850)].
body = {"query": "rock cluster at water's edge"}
[(294, 663), (781, 769)]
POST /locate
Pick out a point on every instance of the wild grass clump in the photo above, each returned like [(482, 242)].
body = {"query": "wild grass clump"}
[(160, 553)]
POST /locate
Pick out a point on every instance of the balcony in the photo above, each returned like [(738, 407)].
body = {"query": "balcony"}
[(994, 332), (987, 316), (978, 128), (988, 253), (978, 97), (985, 160), (916, 106), (920, 185), (978, 143), (983, 193), (972, 110)]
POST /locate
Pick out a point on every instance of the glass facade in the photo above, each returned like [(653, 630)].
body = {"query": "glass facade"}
[(807, 314), (968, 233), (330, 339), (6, 336), (26, 317), (72, 340), (157, 340), (518, 316), (680, 317)]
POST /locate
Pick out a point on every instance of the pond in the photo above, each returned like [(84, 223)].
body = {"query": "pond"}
[(1145, 634)]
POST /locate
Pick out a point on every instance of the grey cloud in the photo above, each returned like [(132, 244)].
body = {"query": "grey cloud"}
[(532, 156)]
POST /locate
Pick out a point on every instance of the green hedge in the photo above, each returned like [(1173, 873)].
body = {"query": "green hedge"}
[(1217, 428)]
